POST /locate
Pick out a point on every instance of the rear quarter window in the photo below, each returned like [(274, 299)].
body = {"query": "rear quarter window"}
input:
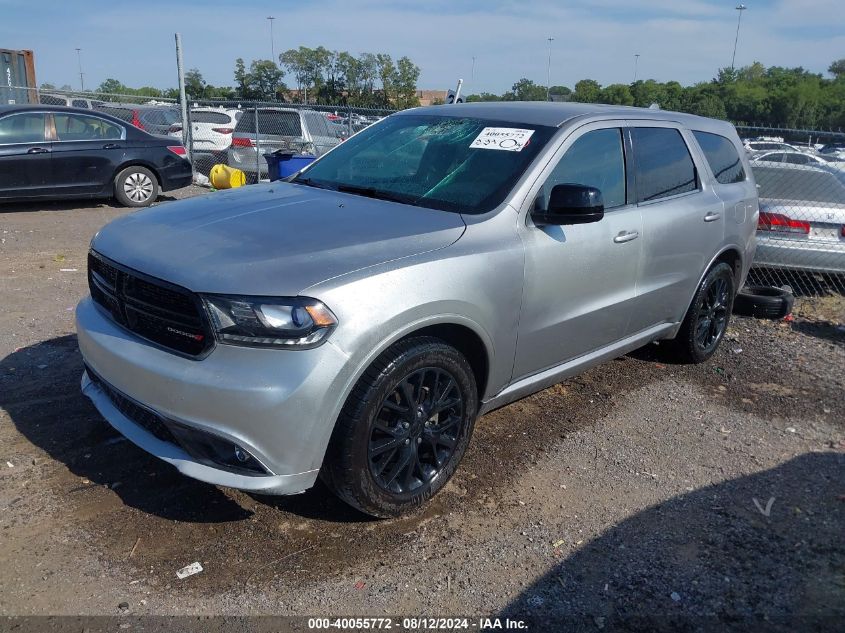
[(722, 157), (664, 166)]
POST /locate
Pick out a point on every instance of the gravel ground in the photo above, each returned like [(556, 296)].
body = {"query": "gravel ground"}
[(640, 495)]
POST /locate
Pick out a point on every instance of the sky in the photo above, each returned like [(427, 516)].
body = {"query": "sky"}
[(684, 40)]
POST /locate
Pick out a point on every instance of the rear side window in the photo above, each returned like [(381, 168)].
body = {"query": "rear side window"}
[(204, 116), (722, 156), (664, 166), (796, 159), (77, 127), (279, 122), (22, 128)]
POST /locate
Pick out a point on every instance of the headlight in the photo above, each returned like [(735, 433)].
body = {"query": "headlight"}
[(294, 322)]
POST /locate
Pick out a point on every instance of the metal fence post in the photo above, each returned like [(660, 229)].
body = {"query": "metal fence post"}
[(183, 97), (257, 150), (349, 119)]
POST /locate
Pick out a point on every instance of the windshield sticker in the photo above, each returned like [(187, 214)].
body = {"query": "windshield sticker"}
[(509, 139)]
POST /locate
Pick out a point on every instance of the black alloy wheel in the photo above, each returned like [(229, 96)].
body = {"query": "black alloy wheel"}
[(416, 430), (712, 315)]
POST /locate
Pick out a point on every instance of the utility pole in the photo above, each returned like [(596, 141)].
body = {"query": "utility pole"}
[(79, 60), (272, 43), (472, 74), (636, 63), (549, 71), (740, 8)]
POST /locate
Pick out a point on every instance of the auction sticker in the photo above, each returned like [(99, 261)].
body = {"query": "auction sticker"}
[(509, 139)]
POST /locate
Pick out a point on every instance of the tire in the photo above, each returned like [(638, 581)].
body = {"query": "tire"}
[(136, 186), (708, 316), (403, 429), (764, 302)]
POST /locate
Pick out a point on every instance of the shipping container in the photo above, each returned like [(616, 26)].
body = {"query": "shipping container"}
[(17, 78)]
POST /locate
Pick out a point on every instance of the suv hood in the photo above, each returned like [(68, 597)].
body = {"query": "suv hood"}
[(276, 239)]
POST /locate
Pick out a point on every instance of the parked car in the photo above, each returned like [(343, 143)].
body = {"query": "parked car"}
[(833, 149), (753, 146), (356, 320), (46, 98), (300, 131), (155, 119), (797, 158), (802, 217), (56, 152), (211, 133)]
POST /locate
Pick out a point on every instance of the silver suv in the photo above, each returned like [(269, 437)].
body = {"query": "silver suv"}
[(354, 322)]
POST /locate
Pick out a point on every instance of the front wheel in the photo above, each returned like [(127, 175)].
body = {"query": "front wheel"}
[(708, 316), (136, 186), (404, 428)]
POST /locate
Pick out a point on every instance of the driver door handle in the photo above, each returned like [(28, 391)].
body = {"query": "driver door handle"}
[(37, 150), (712, 216), (626, 236), (111, 146)]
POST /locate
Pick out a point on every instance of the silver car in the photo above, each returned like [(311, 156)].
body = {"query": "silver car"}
[(354, 323), (802, 216), (265, 130)]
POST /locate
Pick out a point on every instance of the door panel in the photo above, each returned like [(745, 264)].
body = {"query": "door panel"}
[(580, 280), (86, 153), (682, 231), (24, 155)]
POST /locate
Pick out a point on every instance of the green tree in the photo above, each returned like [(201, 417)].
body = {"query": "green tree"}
[(265, 79), (587, 91), (837, 68), (617, 94), (405, 84), (527, 90), (113, 86), (194, 83)]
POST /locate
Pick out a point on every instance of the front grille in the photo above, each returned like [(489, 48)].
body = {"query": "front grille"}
[(160, 312), (141, 416)]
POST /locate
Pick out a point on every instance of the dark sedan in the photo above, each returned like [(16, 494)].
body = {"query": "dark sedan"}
[(55, 152)]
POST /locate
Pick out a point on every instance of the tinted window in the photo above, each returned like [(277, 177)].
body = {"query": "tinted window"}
[(772, 158), (317, 124), (796, 159), (799, 183), (165, 116), (596, 159), (280, 122), (52, 100), (664, 165), (76, 127), (204, 116), (79, 103), (22, 128), (722, 156)]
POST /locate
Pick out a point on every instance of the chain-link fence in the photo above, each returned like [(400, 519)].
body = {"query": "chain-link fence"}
[(800, 176)]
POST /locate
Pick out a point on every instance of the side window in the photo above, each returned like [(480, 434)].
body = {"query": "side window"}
[(722, 157), (596, 159), (77, 127), (22, 128), (664, 164), (796, 159), (80, 103), (776, 157)]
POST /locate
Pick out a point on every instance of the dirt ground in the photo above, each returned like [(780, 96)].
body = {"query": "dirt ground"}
[(641, 491)]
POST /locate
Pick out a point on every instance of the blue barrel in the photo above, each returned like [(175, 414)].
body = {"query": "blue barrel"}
[(281, 164)]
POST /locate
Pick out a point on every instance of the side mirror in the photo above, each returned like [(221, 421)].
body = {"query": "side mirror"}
[(571, 204)]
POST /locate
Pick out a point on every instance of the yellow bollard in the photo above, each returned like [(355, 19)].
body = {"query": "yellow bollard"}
[(225, 177)]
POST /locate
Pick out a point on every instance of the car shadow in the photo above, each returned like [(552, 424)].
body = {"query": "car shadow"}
[(825, 330), (40, 390), (760, 552)]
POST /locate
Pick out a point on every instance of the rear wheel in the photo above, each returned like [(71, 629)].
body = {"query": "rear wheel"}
[(404, 428), (708, 316), (136, 186)]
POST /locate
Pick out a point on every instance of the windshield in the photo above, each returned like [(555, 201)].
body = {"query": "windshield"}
[(454, 164)]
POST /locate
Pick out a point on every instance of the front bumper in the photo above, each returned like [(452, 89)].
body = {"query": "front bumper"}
[(279, 405)]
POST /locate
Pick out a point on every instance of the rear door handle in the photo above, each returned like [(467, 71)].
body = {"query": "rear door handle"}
[(37, 150), (626, 236), (712, 216), (111, 146)]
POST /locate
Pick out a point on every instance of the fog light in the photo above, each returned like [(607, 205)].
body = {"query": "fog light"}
[(217, 452)]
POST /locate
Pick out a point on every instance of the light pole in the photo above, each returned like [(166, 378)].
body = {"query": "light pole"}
[(636, 63), (740, 8), (272, 43), (472, 74), (549, 71), (79, 60)]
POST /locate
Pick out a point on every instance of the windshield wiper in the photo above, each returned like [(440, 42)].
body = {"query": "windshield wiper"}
[(371, 192), (308, 182)]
